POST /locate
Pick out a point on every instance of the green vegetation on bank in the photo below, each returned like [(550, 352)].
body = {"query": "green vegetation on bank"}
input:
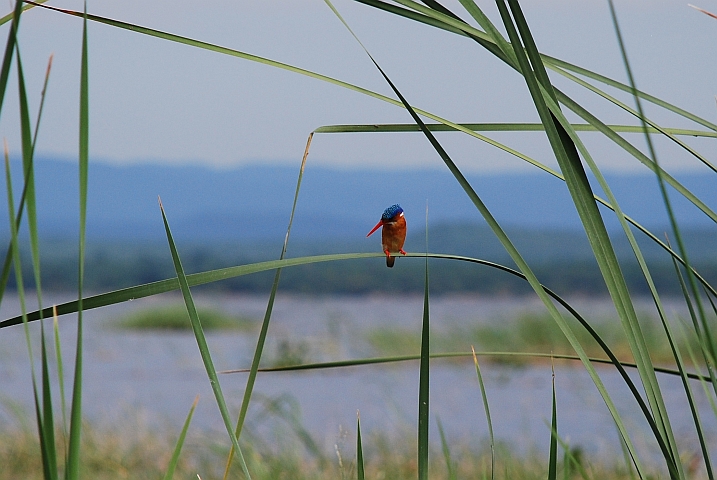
[(528, 332), (175, 317)]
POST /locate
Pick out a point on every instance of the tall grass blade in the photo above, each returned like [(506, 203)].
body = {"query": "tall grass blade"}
[(258, 351), (180, 442), (423, 381), (9, 49), (4, 75), (450, 469), (73, 455), (578, 185), (686, 385), (202, 342), (486, 408), (553, 458), (703, 333), (361, 475), (60, 373), (631, 326), (620, 216), (15, 250), (48, 423), (27, 175)]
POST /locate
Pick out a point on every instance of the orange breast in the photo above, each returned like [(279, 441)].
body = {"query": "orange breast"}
[(393, 234)]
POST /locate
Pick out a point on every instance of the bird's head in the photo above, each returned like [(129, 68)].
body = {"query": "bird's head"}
[(388, 214)]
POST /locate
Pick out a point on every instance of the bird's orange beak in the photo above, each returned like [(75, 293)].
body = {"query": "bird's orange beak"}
[(379, 224)]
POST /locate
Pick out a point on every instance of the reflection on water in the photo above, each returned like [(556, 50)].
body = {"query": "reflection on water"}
[(159, 374)]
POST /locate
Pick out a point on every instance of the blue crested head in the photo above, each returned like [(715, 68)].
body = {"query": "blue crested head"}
[(391, 212)]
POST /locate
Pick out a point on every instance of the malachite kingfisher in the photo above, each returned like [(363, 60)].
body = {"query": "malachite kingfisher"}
[(393, 234)]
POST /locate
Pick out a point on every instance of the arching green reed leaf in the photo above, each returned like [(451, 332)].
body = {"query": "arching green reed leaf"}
[(453, 356), (499, 127)]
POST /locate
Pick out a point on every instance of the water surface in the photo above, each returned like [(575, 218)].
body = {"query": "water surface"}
[(156, 375)]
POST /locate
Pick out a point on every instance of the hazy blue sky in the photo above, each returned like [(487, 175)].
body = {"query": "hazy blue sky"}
[(153, 100)]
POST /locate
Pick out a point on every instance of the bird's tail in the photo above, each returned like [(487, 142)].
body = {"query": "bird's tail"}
[(390, 260)]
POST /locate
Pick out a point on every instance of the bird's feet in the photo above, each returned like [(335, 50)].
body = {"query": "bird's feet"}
[(403, 252), (388, 254)]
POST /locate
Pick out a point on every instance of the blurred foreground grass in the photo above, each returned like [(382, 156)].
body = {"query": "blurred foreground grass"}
[(133, 451)]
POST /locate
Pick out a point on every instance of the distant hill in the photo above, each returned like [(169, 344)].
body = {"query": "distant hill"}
[(223, 218), (254, 202)]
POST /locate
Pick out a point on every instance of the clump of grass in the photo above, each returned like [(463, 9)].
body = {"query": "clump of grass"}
[(290, 352), (528, 332), (175, 318)]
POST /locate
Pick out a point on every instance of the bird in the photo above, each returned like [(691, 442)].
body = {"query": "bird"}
[(393, 234)]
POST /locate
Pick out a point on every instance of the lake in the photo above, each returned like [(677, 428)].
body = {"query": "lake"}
[(155, 376)]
